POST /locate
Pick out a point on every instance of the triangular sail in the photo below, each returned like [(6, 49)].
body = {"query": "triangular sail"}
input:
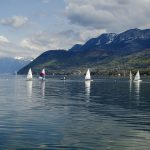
[(42, 74), (88, 75), (137, 76), (29, 75), (130, 75)]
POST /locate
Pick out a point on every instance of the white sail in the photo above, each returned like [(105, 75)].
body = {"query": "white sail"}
[(137, 76), (130, 75), (88, 75), (42, 74), (29, 75), (43, 71)]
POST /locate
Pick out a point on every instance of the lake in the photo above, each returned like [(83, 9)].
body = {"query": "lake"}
[(106, 114)]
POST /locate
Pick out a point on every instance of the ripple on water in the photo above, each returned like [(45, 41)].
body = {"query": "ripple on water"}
[(73, 114)]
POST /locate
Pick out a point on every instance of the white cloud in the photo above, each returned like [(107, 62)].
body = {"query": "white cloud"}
[(38, 41), (42, 41), (111, 15), (15, 21), (86, 34), (3, 39), (10, 49)]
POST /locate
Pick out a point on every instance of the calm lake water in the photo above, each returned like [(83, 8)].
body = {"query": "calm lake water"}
[(106, 114)]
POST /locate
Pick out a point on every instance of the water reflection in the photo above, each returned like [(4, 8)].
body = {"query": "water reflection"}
[(29, 88), (130, 86), (62, 120), (87, 89), (43, 88), (137, 90)]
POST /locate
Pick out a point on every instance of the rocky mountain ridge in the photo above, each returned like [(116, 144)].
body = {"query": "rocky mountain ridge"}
[(104, 53)]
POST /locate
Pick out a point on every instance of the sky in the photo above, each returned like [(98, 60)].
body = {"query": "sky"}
[(31, 27)]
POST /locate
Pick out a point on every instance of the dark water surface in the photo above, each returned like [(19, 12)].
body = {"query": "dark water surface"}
[(106, 114)]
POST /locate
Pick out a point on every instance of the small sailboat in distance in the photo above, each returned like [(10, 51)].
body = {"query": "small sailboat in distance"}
[(130, 76), (29, 75), (88, 76), (42, 75), (64, 78), (137, 77)]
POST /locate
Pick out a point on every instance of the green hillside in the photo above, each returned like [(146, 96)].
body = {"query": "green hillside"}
[(100, 65)]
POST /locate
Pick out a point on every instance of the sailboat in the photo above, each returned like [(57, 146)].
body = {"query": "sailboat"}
[(130, 76), (137, 77), (29, 75), (42, 75), (88, 76), (64, 78)]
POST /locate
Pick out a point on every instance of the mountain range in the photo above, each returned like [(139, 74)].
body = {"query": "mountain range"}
[(9, 65), (107, 54)]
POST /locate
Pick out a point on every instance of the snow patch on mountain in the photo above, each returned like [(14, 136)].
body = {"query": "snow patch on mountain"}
[(11, 65)]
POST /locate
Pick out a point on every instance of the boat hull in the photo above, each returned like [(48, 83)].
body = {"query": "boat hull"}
[(137, 81), (88, 80)]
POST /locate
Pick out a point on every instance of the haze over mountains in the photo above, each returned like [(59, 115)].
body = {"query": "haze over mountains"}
[(10, 65), (109, 53)]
